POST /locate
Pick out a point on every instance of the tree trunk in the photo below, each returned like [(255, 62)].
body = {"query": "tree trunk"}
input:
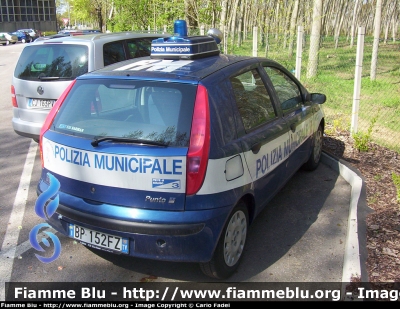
[(241, 24), (293, 27), (246, 19), (343, 8), (277, 22), (353, 23), (286, 25), (222, 23), (377, 31), (234, 24), (268, 17), (314, 39)]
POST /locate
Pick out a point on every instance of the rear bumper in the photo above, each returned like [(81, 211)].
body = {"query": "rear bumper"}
[(27, 128), (130, 227), (181, 236)]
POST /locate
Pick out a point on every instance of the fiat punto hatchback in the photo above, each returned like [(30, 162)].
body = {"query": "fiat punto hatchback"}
[(172, 157)]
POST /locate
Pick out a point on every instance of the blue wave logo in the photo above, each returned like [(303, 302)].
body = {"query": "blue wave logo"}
[(46, 205)]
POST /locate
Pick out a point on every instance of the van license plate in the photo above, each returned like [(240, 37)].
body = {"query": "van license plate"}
[(37, 103), (99, 239)]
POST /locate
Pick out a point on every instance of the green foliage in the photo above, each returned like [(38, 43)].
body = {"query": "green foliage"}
[(361, 139), (48, 33), (396, 181), (340, 124), (336, 64), (144, 13), (206, 12), (335, 78), (372, 200)]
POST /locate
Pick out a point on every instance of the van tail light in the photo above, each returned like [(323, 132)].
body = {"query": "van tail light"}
[(50, 117), (13, 97), (197, 157)]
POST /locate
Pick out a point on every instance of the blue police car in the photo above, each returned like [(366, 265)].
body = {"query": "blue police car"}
[(172, 157)]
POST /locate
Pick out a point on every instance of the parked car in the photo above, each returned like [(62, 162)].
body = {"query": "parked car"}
[(45, 68), (72, 32), (10, 38), (79, 31), (85, 31), (23, 37), (33, 33), (3, 40), (53, 36), (172, 157)]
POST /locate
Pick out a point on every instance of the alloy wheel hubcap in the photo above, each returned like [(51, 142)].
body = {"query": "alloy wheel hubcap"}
[(317, 145), (235, 238)]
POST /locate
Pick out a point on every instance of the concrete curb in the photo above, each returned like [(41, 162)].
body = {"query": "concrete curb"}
[(355, 256)]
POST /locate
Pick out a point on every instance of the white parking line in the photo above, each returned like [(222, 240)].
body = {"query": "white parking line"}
[(9, 246), (26, 245)]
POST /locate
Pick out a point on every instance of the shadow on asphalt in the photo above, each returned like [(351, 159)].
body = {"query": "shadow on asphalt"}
[(298, 237)]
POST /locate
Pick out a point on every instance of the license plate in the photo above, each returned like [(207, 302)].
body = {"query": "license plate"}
[(99, 239), (37, 103)]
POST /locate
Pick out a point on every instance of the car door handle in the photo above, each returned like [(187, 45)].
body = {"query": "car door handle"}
[(256, 148), (293, 127)]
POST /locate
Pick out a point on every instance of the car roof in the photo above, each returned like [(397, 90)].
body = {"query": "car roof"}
[(191, 70), (94, 36)]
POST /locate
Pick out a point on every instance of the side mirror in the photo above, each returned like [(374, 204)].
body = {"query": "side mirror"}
[(318, 98)]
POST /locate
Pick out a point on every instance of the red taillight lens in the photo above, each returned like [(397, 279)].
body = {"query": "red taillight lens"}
[(50, 117), (199, 147), (13, 97)]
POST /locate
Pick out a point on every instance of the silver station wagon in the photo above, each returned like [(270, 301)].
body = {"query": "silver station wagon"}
[(46, 68)]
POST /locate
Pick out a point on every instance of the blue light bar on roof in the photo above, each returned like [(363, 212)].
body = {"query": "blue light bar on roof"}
[(181, 46), (180, 27)]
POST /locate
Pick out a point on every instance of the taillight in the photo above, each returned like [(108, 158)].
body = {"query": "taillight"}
[(197, 157), (50, 117), (13, 97)]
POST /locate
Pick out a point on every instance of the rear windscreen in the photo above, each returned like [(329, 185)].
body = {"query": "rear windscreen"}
[(150, 111), (52, 61)]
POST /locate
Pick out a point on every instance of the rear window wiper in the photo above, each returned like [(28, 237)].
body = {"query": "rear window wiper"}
[(96, 141)]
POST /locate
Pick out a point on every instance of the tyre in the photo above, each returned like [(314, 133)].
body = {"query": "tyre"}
[(23, 41), (230, 246), (315, 156)]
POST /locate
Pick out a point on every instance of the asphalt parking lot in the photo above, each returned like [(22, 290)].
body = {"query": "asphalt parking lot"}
[(312, 231)]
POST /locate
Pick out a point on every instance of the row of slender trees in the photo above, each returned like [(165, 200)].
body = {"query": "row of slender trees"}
[(237, 18), (338, 17)]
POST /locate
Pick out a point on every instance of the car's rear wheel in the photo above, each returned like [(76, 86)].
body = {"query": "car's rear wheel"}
[(315, 156), (230, 246), (23, 41)]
